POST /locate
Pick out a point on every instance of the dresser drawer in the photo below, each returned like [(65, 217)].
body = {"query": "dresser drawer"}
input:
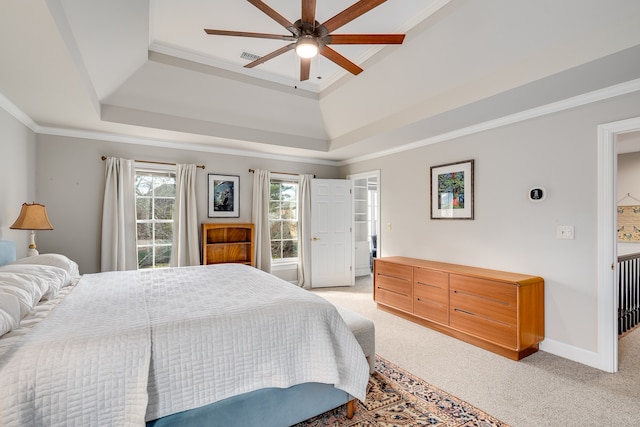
[(431, 302), (487, 298), (393, 277), (393, 285), (424, 276), (393, 299), (431, 294), (392, 269), (504, 334), (484, 308)]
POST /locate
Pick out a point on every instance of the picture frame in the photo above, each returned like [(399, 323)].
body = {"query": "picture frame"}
[(223, 196), (628, 223), (452, 190)]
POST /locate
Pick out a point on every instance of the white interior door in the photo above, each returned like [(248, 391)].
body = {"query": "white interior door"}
[(331, 235)]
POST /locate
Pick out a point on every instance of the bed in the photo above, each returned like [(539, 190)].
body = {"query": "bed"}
[(208, 345)]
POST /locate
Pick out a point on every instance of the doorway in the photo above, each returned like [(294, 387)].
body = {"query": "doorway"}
[(331, 237), (366, 220), (607, 357)]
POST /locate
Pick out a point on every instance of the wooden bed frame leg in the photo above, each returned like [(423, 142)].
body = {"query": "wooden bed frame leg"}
[(351, 408)]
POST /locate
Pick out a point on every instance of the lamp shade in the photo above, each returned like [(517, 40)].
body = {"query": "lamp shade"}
[(32, 217)]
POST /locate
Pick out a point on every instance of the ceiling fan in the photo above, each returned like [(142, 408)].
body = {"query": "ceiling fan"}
[(309, 37)]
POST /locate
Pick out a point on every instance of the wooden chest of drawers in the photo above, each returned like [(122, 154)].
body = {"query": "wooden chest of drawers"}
[(500, 311), (394, 285)]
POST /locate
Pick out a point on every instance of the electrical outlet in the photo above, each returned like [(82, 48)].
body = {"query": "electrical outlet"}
[(565, 232)]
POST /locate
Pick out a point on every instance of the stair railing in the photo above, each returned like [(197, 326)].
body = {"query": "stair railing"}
[(628, 292)]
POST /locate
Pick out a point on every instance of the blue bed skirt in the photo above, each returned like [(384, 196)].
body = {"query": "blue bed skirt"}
[(269, 407)]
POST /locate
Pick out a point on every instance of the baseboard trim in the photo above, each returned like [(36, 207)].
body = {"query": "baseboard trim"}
[(570, 352)]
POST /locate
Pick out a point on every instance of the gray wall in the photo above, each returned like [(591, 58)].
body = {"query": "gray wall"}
[(509, 232), (17, 178), (557, 151), (70, 183)]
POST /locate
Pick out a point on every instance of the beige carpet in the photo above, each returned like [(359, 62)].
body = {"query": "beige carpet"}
[(396, 398), (540, 390)]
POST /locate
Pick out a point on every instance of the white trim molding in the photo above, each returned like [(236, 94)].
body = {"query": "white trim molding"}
[(543, 110), (576, 101), (570, 352), (607, 356)]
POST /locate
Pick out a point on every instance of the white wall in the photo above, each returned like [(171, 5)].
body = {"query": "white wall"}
[(71, 184), (17, 177), (509, 232)]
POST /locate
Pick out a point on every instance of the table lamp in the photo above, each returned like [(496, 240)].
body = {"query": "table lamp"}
[(32, 217)]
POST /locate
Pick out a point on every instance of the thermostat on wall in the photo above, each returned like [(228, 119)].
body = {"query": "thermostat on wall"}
[(537, 194)]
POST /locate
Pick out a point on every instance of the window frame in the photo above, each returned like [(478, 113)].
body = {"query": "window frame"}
[(285, 178), (144, 169)]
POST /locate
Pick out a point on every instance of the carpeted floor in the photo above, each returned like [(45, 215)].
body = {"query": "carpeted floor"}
[(541, 390), (395, 397)]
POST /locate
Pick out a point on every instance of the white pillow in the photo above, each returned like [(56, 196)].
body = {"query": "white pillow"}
[(55, 260), (27, 287), (10, 313), (25, 297), (54, 277)]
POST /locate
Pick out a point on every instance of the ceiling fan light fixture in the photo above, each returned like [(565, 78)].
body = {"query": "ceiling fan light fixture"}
[(307, 46), (310, 37)]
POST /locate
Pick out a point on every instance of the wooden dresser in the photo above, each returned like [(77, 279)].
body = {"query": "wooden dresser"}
[(227, 243), (499, 311)]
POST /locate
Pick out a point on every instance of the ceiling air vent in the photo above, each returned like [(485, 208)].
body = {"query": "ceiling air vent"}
[(250, 56)]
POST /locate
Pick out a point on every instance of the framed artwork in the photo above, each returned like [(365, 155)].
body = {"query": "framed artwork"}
[(629, 223), (452, 191), (224, 196)]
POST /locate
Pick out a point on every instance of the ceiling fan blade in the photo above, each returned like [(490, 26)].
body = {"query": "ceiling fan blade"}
[(271, 55), (248, 34), (351, 13), (274, 15), (365, 39), (305, 67), (309, 11), (331, 54)]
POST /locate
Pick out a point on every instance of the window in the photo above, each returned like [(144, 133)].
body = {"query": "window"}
[(283, 219), (155, 201)]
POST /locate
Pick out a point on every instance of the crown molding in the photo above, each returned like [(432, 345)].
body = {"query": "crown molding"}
[(554, 107), (572, 102), (11, 108), (156, 142)]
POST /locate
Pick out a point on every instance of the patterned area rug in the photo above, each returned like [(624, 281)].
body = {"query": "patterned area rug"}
[(397, 398)]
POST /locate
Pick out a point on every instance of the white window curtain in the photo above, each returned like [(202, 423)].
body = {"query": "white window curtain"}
[(118, 247), (304, 231), (186, 248), (260, 218)]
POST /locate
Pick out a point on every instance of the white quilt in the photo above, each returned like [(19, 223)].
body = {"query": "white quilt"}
[(86, 364), (172, 340)]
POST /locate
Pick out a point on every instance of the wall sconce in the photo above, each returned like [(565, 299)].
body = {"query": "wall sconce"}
[(32, 217)]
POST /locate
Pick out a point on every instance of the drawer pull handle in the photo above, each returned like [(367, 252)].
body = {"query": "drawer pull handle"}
[(393, 277), (497, 301), (392, 291), (429, 284), (426, 301), (482, 317)]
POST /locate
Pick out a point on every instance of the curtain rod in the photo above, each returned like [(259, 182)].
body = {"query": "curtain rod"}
[(281, 173), (156, 163)]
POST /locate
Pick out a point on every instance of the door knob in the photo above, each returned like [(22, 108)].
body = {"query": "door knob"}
[(315, 238)]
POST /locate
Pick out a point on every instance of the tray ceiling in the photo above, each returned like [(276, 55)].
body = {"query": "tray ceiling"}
[(145, 71)]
